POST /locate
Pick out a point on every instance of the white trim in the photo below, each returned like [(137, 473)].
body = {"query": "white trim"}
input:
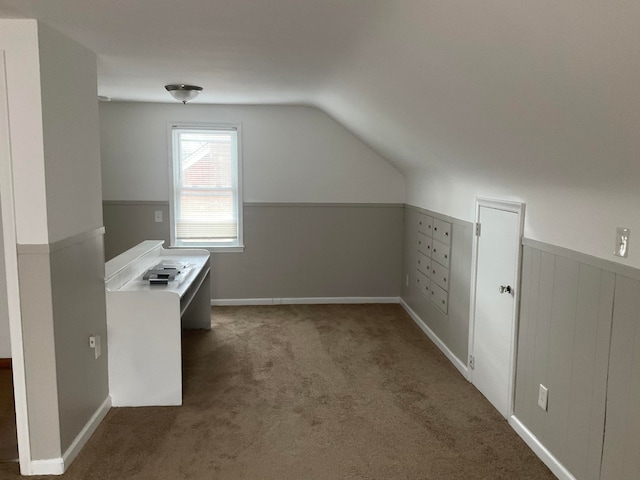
[(83, 437), (57, 466), (462, 368), (47, 248), (238, 246), (50, 466), (518, 209), (302, 301), (540, 450), (13, 287)]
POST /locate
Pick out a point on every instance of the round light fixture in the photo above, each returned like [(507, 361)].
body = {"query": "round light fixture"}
[(183, 93)]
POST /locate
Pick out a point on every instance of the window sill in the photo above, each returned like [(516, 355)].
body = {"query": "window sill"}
[(222, 249)]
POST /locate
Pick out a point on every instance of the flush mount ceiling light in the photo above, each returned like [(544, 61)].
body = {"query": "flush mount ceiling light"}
[(183, 93)]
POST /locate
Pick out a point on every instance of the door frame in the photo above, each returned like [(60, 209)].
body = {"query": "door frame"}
[(519, 209), (13, 288)]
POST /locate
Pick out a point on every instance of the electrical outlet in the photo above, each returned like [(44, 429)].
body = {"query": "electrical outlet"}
[(94, 342), (158, 216), (543, 397)]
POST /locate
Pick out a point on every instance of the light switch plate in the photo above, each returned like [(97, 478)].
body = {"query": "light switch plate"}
[(158, 216), (622, 242), (543, 397), (94, 342)]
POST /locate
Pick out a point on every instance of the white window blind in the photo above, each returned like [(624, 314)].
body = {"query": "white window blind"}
[(205, 194)]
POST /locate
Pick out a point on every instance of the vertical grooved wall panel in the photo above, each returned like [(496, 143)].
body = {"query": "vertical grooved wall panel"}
[(563, 344), (621, 460)]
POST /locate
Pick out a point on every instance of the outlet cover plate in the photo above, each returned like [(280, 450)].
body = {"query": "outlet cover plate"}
[(543, 397), (622, 242)]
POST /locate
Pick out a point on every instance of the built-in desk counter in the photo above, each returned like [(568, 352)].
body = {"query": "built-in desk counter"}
[(144, 321)]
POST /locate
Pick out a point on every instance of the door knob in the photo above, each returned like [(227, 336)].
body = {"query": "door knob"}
[(505, 289)]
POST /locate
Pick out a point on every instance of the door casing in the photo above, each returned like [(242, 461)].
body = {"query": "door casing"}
[(11, 271), (519, 209)]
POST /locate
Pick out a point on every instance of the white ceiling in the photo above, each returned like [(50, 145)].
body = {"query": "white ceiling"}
[(494, 91), (240, 51)]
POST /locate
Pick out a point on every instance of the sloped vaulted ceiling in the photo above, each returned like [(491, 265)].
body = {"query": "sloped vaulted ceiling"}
[(537, 101)]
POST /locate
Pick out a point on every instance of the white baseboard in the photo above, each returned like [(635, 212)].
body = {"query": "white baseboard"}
[(462, 368), (51, 466), (302, 301), (540, 450), (83, 437), (57, 466)]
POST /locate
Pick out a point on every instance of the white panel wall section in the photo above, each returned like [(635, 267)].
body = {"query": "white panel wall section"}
[(290, 154), (71, 135), (621, 460), (19, 40), (579, 337)]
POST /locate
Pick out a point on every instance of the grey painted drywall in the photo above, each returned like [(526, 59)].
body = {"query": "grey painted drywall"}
[(129, 223), (620, 459), (583, 346), (293, 250), (36, 307), (79, 310), (453, 328)]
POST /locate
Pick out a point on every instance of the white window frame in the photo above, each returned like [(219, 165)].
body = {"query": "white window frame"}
[(238, 246)]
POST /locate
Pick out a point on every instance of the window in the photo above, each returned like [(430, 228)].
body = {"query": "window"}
[(206, 202)]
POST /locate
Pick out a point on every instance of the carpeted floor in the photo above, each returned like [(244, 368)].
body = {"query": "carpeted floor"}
[(8, 435), (310, 392)]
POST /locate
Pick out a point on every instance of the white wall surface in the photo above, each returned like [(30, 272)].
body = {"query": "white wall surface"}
[(19, 40), (530, 101), (290, 154), (71, 135)]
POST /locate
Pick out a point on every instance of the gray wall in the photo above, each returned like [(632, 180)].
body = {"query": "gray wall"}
[(575, 342), (291, 250), (453, 328), (39, 351), (129, 223), (79, 310), (621, 459), (62, 298)]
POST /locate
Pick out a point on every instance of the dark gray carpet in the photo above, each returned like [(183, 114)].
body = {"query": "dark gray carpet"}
[(8, 439), (311, 392)]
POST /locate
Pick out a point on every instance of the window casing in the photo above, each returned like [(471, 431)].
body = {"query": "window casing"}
[(206, 200)]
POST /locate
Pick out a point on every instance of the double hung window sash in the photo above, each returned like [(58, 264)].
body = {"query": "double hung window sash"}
[(205, 173)]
